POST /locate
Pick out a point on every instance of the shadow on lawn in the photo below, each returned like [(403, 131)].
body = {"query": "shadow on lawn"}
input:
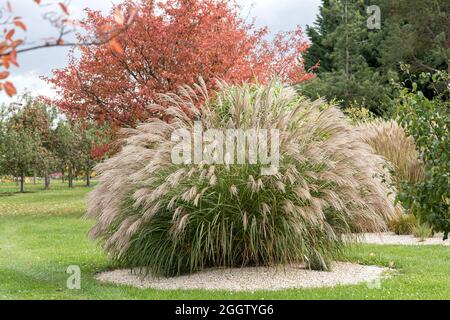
[(10, 194)]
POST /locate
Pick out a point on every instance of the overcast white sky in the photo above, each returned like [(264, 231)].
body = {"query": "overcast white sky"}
[(278, 15)]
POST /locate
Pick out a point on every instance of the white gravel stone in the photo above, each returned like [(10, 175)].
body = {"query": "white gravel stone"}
[(270, 279), (253, 278), (392, 238)]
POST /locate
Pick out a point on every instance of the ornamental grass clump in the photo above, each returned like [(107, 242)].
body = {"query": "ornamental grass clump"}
[(169, 219), (390, 140)]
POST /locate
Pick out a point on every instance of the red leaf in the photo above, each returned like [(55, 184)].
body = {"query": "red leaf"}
[(4, 75), (10, 34), (10, 88), (21, 25), (5, 62), (105, 28), (16, 43), (13, 57), (115, 45)]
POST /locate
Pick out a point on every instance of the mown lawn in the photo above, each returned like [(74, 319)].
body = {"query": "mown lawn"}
[(42, 233)]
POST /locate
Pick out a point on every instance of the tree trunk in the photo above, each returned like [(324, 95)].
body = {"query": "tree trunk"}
[(70, 177), (88, 178), (347, 53), (22, 183), (347, 64), (47, 181), (34, 178)]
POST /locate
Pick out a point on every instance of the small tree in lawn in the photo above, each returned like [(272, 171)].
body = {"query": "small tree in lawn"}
[(26, 128), (78, 146), (45, 163), (92, 142), (17, 150), (41, 117), (65, 148)]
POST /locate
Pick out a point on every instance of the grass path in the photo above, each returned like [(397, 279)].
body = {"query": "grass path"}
[(42, 233)]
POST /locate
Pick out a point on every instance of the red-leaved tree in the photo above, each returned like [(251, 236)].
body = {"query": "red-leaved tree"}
[(170, 43)]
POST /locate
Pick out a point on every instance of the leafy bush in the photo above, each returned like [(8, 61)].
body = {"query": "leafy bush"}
[(171, 219), (359, 114), (389, 140), (403, 224), (428, 121)]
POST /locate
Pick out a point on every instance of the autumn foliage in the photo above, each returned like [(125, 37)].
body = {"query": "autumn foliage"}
[(57, 14), (9, 42), (169, 44)]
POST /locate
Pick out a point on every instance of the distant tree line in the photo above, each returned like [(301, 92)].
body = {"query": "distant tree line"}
[(357, 64), (35, 140)]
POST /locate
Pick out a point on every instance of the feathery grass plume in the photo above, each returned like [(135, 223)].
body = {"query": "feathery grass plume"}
[(389, 140), (172, 219)]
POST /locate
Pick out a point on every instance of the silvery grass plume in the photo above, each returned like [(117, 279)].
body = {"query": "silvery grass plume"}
[(171, 219), (390, 140)]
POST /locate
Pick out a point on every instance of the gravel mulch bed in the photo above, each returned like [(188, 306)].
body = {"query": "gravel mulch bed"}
[(253, 278), (392, 238)]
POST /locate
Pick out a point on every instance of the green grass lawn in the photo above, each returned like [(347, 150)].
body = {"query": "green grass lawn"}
[(42, 233)]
